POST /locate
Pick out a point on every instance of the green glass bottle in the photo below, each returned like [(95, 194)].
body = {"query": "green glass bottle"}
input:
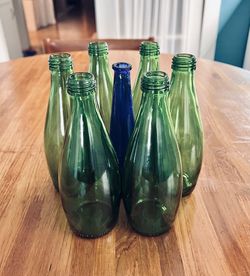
[(152, 184), (89, 178), (58, 110), (99, 67), (185, 115), (149, 52)]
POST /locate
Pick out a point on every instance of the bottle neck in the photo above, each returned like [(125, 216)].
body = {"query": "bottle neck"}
[(83, 105), (122, 95), (149, 63), (64, 77), (153, 103), (61, 76), (55, 74), (122, 77), (98, 63), (182, 78), (55, 82), (84, 113), (63, 73), (155, 87), (154, 108)]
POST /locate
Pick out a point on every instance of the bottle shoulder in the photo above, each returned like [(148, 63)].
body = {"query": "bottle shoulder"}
[(184, 107), (86, 131)]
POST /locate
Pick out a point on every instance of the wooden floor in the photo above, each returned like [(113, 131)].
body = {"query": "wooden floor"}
[(76, 25)]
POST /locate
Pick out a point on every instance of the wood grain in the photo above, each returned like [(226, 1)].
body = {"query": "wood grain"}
[(211, 234)]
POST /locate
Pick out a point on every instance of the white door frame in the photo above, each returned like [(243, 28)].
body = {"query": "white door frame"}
[(210, 26), (246, 64), (3, 46)]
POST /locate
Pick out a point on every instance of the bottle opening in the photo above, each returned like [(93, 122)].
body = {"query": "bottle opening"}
[(121, 66), (155, 82), (149, 48), (184, 61), (81, 84), (98, 48), (60, 62), (65, 56), (66, 61), (54, 62)]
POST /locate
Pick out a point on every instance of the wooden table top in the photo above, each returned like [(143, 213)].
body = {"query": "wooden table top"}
[(211, 233)]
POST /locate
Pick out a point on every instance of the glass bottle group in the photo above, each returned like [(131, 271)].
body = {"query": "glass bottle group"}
[(149, 162)]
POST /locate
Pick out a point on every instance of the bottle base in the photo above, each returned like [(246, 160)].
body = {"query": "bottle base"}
[(150, 218), (188, 186), (56, 189), (92, 219), (88, 236), (55, 184), (150, 234), (187, 192)]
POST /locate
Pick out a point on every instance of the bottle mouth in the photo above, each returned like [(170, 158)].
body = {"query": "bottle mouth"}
[(98, 48), (121, 67), (60, 62), (66, 62), (184, 61), (54, 62), (155, 82), (81, 84), (149, 48)]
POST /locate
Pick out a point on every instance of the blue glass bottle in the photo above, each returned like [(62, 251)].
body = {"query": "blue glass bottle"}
[(122, 117)]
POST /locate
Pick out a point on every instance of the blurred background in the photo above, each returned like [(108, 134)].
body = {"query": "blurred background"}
[(211, 29)]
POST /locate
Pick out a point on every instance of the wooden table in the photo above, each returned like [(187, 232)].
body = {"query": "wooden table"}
[(211, 234)]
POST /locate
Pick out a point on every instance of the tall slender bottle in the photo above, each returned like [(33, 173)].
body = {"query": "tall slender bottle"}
[(186, 119), (152, 184), (89, 174), (149, 52), (58, 110), (122, 118), (99, 67)]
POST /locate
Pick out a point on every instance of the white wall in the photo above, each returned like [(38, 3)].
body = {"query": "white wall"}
[(4, 56), (9, 29), (38, 13), (21, 24)]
